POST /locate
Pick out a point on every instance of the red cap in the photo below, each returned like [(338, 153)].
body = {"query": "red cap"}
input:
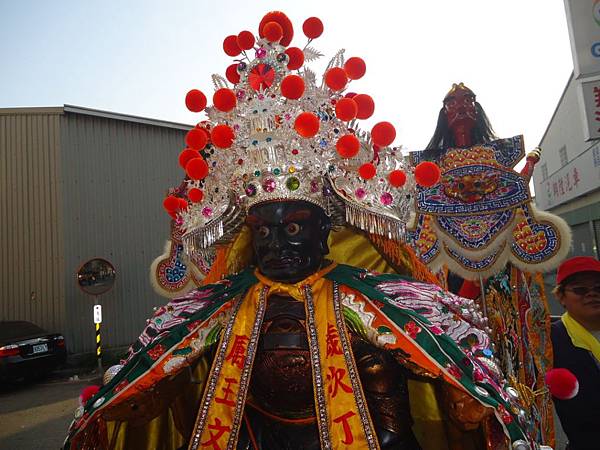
[(576, 265)]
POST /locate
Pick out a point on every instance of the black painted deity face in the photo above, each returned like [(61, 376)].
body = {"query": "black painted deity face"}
[(289, 239)]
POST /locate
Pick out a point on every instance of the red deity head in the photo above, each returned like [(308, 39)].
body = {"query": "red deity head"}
[(459, 105), (461, 123)]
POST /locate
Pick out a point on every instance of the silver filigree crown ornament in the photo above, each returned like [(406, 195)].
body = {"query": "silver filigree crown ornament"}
[(280, 134)]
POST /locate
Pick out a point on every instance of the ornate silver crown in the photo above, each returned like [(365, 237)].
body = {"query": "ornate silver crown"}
[(279, 134)]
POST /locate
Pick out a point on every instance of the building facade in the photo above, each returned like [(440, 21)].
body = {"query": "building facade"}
[(75, 184), (567, 177)]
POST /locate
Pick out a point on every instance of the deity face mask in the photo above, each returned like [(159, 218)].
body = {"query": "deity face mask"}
[(289, 239), (459, 105)]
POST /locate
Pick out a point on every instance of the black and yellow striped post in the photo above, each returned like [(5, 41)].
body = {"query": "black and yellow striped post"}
[(95, 277), (98, 348), (97, 322)]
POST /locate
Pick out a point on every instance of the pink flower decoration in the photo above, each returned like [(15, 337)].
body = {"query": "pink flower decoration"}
[(506, 416), (436, 330), (156, 352), (478, 376), (412, 329), (454, 371)]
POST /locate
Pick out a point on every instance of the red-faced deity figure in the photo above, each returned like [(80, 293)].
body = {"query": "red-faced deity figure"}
[(459, 106)]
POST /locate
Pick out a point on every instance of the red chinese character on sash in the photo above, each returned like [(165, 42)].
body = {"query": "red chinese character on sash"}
[(228, 391), (333, 341), (597, 96), (238, 351), (334, 377), (343, 419), (220, 429)]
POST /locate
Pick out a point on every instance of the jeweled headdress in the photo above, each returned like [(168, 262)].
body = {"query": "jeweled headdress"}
[(277, 132)]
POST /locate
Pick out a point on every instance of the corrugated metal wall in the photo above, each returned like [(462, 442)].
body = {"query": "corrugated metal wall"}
[(31, 245), (114, 176)]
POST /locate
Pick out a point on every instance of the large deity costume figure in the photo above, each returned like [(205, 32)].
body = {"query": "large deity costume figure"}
[(480, 216), (306, 331), (478, 227)]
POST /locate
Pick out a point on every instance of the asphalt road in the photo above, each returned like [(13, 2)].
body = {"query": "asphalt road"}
[(36, 416)]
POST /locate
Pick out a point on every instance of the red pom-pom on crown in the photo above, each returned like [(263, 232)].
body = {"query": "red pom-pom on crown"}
[(296, 57), (245, 40), (222, 136), (336, 78), (170, 204), (273, 31), (383, 134), (355, 67), (196, 169), (397, 178), (366, 106), (346, 109), (195, 100), (312, 27), (348, 146), (307, 125), (367, 171), (283, 21), (224, 99), (196, 139), (186, 156), (292, 87), (230, 46), (183, 204), (195, 195), (232, 74)]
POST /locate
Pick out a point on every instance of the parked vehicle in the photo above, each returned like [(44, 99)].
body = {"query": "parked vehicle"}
[(27, 350)]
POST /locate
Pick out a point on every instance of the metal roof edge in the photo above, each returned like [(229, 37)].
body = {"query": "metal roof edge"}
[(125, 117), (32, 110), (571, 78)]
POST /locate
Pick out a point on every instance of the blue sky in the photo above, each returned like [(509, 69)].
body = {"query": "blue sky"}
[(141, 57)]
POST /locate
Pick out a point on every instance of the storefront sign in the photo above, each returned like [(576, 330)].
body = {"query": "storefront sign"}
[(583, 19), (590, 100), (579, 177)]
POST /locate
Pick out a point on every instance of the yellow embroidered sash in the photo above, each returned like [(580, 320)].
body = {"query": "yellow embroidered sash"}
[(341, 408)]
